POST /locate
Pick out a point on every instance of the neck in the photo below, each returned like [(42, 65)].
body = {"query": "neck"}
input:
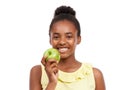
[(69, 64), (70, 60)]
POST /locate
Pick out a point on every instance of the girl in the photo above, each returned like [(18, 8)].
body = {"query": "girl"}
[(69, 73)]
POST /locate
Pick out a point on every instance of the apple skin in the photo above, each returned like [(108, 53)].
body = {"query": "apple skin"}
[(52, 53)]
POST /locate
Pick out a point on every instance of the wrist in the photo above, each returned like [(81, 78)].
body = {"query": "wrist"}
[(51, 86)]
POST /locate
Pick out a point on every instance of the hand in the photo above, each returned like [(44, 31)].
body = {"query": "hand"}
[(51, 69)]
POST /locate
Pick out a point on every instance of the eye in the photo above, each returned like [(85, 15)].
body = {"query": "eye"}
[(69, 36), (55, 37)]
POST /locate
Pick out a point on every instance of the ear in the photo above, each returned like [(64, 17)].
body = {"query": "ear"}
[(50, 41), (78, 39)]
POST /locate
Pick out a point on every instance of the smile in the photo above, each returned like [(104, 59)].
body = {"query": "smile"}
[(61, 50)]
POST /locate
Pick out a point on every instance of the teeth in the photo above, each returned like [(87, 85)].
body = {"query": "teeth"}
[(63, 49)]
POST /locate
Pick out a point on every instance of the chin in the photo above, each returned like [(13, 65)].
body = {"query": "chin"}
[(64, 56)]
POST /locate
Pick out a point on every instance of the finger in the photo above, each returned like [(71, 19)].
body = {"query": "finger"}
[(52, 61), (54, 65), (55, 70), (43, 61), (51, 65)]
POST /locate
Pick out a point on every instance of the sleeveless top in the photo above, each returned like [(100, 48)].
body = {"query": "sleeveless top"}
[(81, 79)]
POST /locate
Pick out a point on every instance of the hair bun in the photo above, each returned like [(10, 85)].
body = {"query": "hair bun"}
[(64, 10)]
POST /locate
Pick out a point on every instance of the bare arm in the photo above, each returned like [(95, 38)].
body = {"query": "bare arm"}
[(99, 79), (52, 73), (35, 77), (36, 73)]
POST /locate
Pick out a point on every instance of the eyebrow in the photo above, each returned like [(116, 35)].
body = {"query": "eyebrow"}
[(69, 33), (65, 33), (55, 33)]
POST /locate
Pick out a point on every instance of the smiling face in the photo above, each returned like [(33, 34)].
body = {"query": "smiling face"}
[(63, 36)]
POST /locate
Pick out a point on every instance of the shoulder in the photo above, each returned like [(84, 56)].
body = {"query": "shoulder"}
[(36, 67), (97, 72), (99, 79), (35, 78), (36, 71)]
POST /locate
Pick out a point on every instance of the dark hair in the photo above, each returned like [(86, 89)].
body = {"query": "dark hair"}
[(65, 13)]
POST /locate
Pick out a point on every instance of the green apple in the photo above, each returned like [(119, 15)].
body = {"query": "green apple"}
[(52, 53)]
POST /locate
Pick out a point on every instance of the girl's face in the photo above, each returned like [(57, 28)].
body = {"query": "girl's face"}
[(63, 36)]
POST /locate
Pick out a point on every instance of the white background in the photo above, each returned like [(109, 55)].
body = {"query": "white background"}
[(24, 28)]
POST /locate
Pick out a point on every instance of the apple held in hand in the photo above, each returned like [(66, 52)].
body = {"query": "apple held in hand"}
[(52, 53)]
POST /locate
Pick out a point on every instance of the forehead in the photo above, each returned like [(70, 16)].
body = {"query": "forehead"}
[(63, 26)]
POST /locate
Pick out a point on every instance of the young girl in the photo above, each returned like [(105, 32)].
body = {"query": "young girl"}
[(69, 73)]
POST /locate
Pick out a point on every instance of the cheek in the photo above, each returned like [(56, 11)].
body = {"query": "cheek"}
[(53, 43), (73, 42)]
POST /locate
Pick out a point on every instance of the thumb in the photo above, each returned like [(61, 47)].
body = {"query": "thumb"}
[(43, 61)]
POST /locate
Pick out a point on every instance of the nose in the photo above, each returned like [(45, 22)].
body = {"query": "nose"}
[(62, 41)]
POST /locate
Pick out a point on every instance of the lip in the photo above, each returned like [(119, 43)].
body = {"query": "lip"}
[(63, 49)]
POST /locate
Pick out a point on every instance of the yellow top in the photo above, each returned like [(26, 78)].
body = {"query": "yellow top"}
[(81, 79)]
